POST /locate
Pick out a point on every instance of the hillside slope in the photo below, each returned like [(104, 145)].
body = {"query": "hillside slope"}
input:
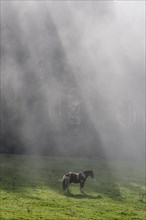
[(31, 188)]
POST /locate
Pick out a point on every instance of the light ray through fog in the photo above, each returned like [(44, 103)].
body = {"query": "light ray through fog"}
[(108, 56), (73, 76)]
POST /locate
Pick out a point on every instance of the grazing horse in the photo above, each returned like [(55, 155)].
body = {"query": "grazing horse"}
[(76, 178)]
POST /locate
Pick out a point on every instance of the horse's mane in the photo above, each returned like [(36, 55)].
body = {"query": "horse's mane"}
[(88, 171)]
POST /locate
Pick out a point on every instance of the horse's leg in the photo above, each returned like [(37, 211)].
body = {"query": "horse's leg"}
[(81, 187), (68, 187)]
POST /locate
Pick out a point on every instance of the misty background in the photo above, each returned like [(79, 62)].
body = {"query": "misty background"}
[(73, 78)]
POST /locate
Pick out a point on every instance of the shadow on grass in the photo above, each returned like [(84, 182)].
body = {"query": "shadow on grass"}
[(83, 196)]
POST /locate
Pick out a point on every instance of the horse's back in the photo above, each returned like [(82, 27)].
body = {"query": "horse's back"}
[(68, 174)]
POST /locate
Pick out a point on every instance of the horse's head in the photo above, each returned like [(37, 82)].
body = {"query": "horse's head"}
[(92, 174), (89, 173)]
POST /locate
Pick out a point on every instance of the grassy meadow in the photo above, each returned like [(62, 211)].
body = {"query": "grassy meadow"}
[(31, 188)]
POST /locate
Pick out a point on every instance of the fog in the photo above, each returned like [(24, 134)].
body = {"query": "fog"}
[(73, 78)]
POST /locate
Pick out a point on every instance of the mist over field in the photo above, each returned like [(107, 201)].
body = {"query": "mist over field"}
[(73, 78)]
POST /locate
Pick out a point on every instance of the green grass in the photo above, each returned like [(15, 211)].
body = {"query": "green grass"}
[(31, 188)]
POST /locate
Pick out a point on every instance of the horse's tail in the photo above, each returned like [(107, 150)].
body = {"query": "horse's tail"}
[(64, 183)]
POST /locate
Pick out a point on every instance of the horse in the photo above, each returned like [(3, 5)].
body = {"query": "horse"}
[(72, 177)]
